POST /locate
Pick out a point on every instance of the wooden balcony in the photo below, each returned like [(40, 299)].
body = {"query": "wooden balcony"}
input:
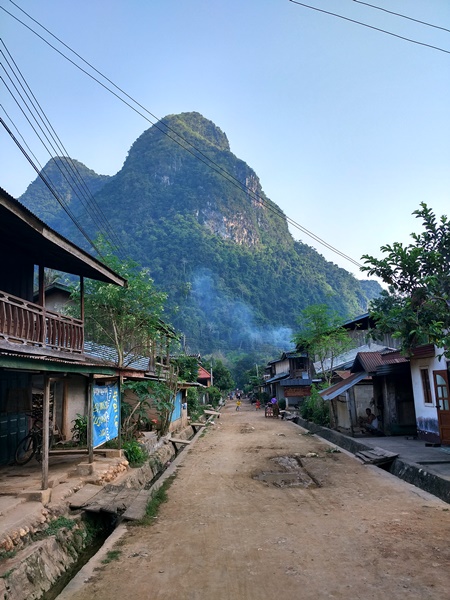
[(28, 324)]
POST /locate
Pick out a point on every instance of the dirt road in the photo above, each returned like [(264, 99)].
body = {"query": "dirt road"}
[(331, 528)]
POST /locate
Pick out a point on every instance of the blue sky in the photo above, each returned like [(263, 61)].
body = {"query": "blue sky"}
[(347, 128)]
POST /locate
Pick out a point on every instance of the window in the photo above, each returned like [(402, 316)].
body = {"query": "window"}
[(426, 386), (441, 387)]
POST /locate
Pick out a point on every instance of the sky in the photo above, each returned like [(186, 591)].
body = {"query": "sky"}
[(347, 128)]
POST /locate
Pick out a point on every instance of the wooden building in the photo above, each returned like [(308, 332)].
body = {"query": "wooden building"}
[(43, 364)]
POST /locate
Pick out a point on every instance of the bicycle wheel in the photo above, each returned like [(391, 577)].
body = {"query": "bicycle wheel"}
[(38, 445), (25, 449)]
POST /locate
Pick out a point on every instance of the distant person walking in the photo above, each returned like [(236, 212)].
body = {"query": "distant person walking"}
[(238, 404), (275, 408)]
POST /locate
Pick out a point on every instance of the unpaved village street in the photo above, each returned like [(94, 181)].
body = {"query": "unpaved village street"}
[(344, 530)]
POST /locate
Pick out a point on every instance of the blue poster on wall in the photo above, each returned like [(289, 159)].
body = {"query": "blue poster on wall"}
[(105, 413)]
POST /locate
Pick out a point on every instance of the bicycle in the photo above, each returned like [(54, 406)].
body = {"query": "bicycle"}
[(31, 444)]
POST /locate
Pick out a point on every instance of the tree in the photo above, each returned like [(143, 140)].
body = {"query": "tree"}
[(222, 376), (415, 308), (127, 318), (187, 367), (159, 395), (322, 335)]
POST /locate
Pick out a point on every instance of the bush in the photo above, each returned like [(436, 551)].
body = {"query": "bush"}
[(79, 430), (214, 395), (136, 453), (193, 404), (315, 409)]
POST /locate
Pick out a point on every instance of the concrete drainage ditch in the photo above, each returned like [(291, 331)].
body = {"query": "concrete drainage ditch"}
[(41, 570)]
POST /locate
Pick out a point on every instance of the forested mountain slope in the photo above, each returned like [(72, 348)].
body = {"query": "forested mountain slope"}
[(235, 276)]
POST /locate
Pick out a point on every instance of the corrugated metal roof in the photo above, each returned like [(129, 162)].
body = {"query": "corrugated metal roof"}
[(342, 386), (203, 373), (426, 351), (277, 377), (108, 355), (371, 361), (343, 374), (296, 382), (21, 229), (345, 361)]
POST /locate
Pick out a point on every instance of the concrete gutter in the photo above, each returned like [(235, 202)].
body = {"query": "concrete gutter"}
[(89, 569)]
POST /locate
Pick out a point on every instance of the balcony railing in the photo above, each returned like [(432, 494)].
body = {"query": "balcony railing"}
[(24, 322)]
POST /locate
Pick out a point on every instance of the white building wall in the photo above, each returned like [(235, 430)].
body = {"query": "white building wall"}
[(426, 414)]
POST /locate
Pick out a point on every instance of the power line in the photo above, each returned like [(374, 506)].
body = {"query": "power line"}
[(21, 136), (46, 181), (401, 37), (402, 16), (71, 173), (189, 147)]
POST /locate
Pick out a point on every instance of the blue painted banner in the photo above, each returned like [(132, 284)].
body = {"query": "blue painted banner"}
[(105, 413)]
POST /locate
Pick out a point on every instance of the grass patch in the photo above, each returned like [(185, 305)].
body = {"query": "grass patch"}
[(59, 523), (157, 498), (111, 555), (332, 451), (7, 574), (4, 554)]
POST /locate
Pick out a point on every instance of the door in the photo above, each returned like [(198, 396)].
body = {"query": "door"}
[(443, 405)]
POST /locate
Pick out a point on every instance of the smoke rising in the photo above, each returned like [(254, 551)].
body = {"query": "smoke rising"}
[(233, 321)]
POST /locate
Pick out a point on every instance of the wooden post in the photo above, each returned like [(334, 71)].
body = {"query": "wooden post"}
[(90, 415), (119, 439), (45, 432), (82, 299), (43, 339), (347, 399), (41, 286)]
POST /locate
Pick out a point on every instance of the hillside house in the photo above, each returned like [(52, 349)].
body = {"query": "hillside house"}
[(289, 377), (43, 364)]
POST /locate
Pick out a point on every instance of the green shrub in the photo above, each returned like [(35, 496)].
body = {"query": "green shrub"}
[(59, 523), (79, 430), (135, 453), (315, 409), (214, 395)]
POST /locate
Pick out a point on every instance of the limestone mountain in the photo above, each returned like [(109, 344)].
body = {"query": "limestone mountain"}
[(185, 206)]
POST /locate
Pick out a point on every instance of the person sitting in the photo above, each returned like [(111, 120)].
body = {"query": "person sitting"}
[(369, 422)]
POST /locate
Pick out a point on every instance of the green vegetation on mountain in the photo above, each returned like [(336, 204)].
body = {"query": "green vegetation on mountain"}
[(235, 277)]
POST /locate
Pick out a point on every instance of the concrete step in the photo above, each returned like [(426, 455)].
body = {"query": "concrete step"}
[(9, 503)]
